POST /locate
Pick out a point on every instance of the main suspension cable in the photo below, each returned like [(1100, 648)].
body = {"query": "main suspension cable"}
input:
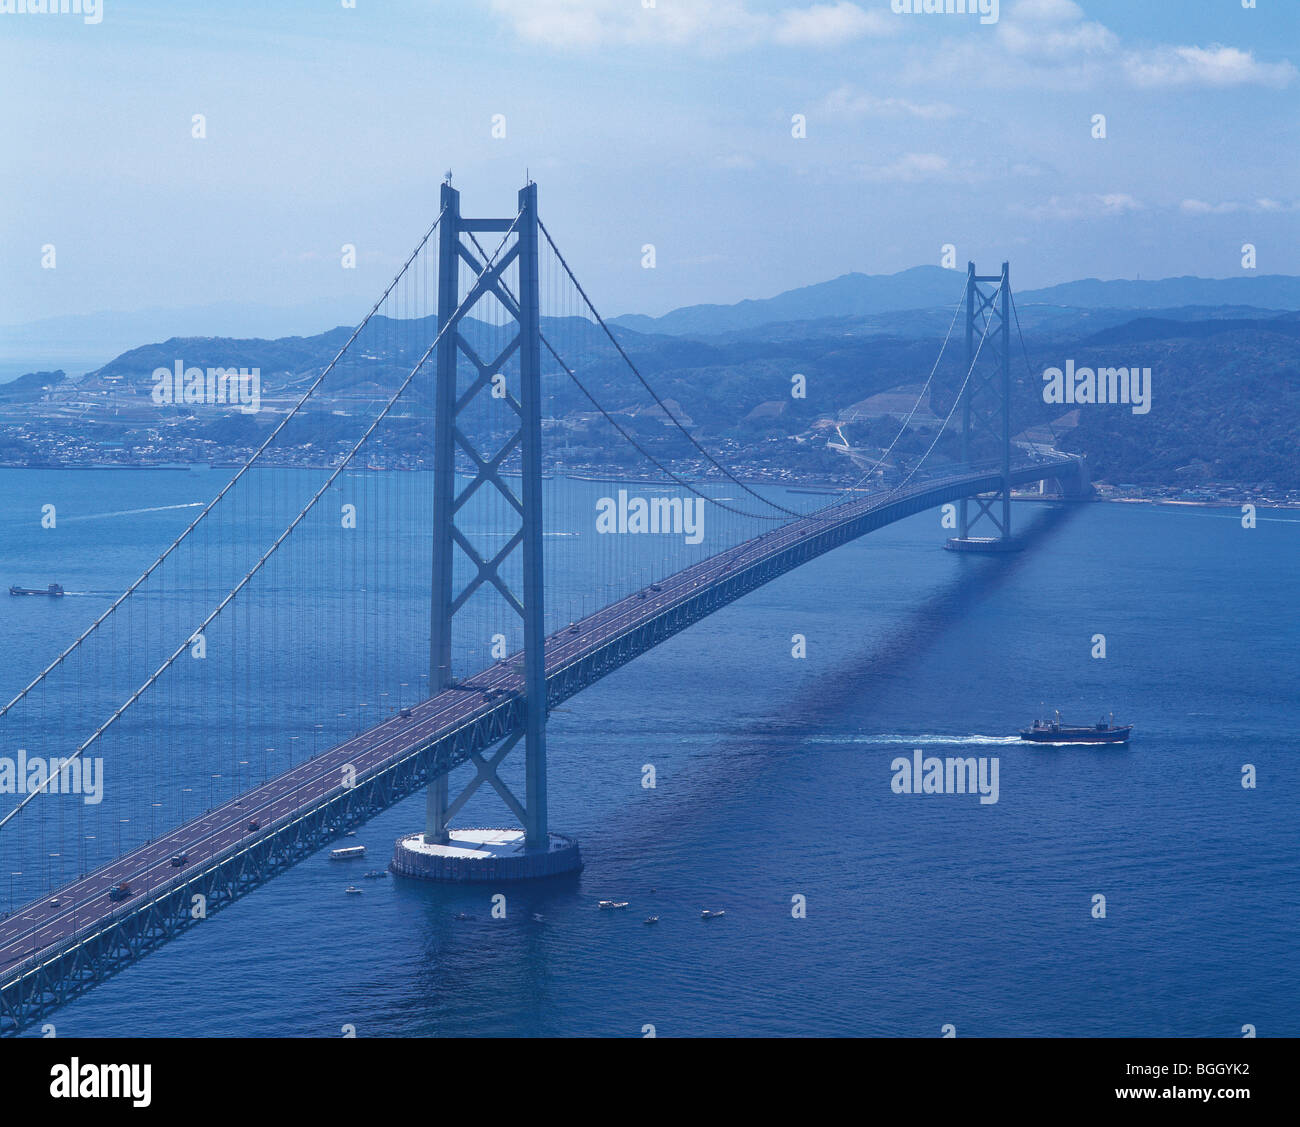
[(231, 483), (654, 394), (470, 297), (572, 374)]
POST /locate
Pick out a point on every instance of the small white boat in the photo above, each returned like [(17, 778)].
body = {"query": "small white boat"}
[(705, 914), (347, 852), (612, 904), (352, 890), (652, 919)]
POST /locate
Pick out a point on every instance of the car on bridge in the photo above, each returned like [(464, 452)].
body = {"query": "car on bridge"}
[(180, 860), (253, 824), (120, 892)]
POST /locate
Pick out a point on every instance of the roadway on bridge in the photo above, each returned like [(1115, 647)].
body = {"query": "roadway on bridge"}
[(44, 927)]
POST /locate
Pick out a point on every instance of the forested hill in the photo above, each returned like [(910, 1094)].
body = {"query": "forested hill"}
[(1225, 388)]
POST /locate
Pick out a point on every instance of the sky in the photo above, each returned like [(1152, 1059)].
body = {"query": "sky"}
[(664, 122)]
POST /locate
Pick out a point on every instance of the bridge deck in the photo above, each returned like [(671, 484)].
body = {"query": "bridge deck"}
[(49, 929)]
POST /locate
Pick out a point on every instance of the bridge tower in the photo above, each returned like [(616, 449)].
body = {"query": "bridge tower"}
[(986, 411), (440, 853)]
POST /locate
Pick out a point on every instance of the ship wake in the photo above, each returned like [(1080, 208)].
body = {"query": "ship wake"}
[(894, 739)]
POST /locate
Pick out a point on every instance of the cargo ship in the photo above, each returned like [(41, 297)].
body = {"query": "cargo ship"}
[(54, 589), (1054, 732)]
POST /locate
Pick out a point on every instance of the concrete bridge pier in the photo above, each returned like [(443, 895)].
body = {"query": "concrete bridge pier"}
[(983, 544), (476, 855)]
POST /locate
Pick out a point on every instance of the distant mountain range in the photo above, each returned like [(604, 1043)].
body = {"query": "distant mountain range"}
[(1166, 328), (79, 342), (1226, 379), (910, 302), (929, 287)]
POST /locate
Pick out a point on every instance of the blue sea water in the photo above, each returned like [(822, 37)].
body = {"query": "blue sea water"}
[(773, 782)]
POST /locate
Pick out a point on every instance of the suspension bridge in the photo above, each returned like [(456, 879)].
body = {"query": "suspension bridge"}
[(330, 634)]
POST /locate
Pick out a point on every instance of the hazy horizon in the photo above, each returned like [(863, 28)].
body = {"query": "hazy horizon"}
[(93, 350)]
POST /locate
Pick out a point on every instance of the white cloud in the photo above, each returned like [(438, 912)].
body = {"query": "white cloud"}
[(710, 25), (1047, 11), (1051, 44), (1085, 206), (909, 168), (1114, 203), (1215, 65), (742, 161), (1053, 29), (1200, 207), (847, 101), (824, 25), (1037, 42), (1082, 206), (585, 24), (1229, 207)]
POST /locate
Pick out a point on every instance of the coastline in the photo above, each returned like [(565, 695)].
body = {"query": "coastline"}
[(809, 486)]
